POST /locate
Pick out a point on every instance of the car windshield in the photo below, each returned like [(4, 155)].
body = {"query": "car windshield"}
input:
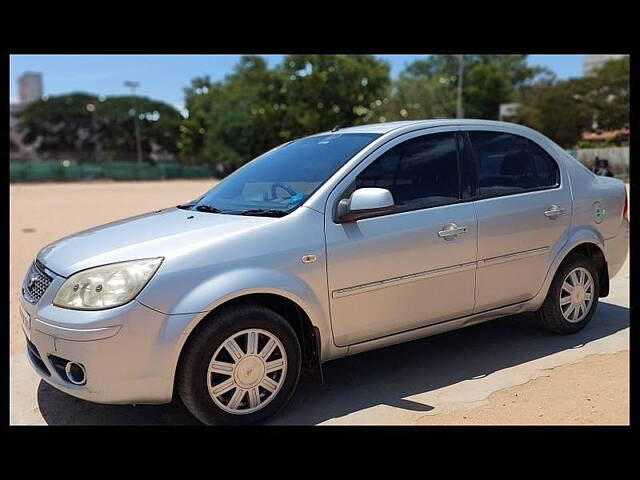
[(281, 179)]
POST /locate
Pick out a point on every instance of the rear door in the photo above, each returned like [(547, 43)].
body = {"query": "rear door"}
[(524, 213)]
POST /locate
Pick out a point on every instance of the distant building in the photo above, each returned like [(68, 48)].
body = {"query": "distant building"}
[(592, 63), (607, 135), (30, 87), (508, 110)]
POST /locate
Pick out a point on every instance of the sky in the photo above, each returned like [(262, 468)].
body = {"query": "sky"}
[(163, 77)]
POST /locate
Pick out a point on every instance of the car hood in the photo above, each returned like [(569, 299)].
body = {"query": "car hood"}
[(165, 233)]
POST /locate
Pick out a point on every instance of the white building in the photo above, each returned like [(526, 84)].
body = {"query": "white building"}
[(591, 63), (30, 87), (507, 110)]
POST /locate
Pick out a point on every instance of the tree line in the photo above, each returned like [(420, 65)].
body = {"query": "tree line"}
[(256, 108)]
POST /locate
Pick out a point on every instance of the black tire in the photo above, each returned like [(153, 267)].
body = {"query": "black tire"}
[(191, 380), (550, 315)]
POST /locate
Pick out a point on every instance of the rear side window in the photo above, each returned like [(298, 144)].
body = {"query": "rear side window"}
[(509, 164), (420, 173)]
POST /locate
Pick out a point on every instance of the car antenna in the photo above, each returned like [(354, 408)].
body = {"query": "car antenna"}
[(336, 128)]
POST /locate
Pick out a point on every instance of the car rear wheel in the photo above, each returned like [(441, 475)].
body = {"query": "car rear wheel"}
[(241, 367), (572, 299)]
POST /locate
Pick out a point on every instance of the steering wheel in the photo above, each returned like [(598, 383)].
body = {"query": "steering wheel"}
[(284, 187)]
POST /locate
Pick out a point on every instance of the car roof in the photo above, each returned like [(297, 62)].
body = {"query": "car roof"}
[(383, 128)]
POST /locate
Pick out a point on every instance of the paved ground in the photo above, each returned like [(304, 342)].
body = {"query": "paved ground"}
[(502, 372)]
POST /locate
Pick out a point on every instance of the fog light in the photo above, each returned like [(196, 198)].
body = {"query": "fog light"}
[(76, 373)]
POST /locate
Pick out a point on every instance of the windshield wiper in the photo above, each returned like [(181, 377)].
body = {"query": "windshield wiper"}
[(265, 212), (185, 206), (208, 209)]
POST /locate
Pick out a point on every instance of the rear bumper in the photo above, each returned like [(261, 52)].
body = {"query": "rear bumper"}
[(617, 249)]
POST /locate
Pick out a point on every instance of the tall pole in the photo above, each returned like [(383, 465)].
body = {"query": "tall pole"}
[(459, 109), (133, 86)]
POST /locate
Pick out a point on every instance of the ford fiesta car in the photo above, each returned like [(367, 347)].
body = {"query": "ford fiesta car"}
[(326, 246)]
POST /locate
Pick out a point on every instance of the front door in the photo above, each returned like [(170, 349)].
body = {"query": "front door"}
[(416, 265)]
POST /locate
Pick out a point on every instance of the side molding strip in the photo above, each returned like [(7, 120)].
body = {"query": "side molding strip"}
[(488, 262), (391, 282)]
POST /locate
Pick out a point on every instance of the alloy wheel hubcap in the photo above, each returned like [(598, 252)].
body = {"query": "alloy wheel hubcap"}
[(576, 295), (247, 371)]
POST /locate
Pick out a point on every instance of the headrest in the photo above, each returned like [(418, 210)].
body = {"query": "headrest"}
[(514, 164)]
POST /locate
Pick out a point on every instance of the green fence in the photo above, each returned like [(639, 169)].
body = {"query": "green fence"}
[(56, 171)]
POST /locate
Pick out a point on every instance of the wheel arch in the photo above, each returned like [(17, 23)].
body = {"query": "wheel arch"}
[(596, 254), (308, 335), (591, 249)]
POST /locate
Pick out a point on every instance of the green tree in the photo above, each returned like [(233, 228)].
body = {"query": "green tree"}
[(551, 108), (193, 128), (419, 97), (607, 94), (256, 108), (323, 91), (158, 122), (60, 124), (235, 119), (489, 80), (83, 124), (564, 110)]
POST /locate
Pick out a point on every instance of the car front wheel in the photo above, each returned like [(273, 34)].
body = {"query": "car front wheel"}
[(241, 367)]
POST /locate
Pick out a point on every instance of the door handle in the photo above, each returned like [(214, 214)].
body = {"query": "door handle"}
[(554, 211), (451, 230)]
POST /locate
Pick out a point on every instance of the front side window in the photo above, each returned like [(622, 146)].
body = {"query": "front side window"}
[(419, 173), (280, 180), (509, 164)]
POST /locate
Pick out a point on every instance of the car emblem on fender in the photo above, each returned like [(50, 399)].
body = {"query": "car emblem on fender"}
[(598, 212)]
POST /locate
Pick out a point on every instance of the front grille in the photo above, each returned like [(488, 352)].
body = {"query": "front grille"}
[(35, 283)]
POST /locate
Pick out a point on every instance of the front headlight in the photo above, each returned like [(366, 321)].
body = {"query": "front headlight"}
[(106, 286)]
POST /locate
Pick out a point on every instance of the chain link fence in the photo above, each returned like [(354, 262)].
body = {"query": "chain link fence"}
[(20, 171)]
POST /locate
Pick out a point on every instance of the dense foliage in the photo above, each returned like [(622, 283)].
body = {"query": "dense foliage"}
[(85, 126), (256, 108), (563, 110)]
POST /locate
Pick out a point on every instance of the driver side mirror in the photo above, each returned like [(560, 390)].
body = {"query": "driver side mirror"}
[(363, 203)]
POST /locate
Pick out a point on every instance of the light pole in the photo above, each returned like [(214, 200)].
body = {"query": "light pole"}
[(459, 109), (133, 86)]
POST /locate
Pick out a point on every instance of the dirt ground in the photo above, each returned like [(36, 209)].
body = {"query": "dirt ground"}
[(535, 379), (595, 391)]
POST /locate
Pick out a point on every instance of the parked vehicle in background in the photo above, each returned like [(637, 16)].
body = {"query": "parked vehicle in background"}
[(326, 246)]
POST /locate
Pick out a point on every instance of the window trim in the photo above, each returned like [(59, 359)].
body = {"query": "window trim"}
[(474, 159), (374, 156), (466, 156)]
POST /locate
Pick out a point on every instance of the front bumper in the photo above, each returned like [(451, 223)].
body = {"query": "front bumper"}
[(129, 353)]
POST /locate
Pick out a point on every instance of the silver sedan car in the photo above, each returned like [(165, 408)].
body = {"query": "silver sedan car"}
[(323, 247)]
